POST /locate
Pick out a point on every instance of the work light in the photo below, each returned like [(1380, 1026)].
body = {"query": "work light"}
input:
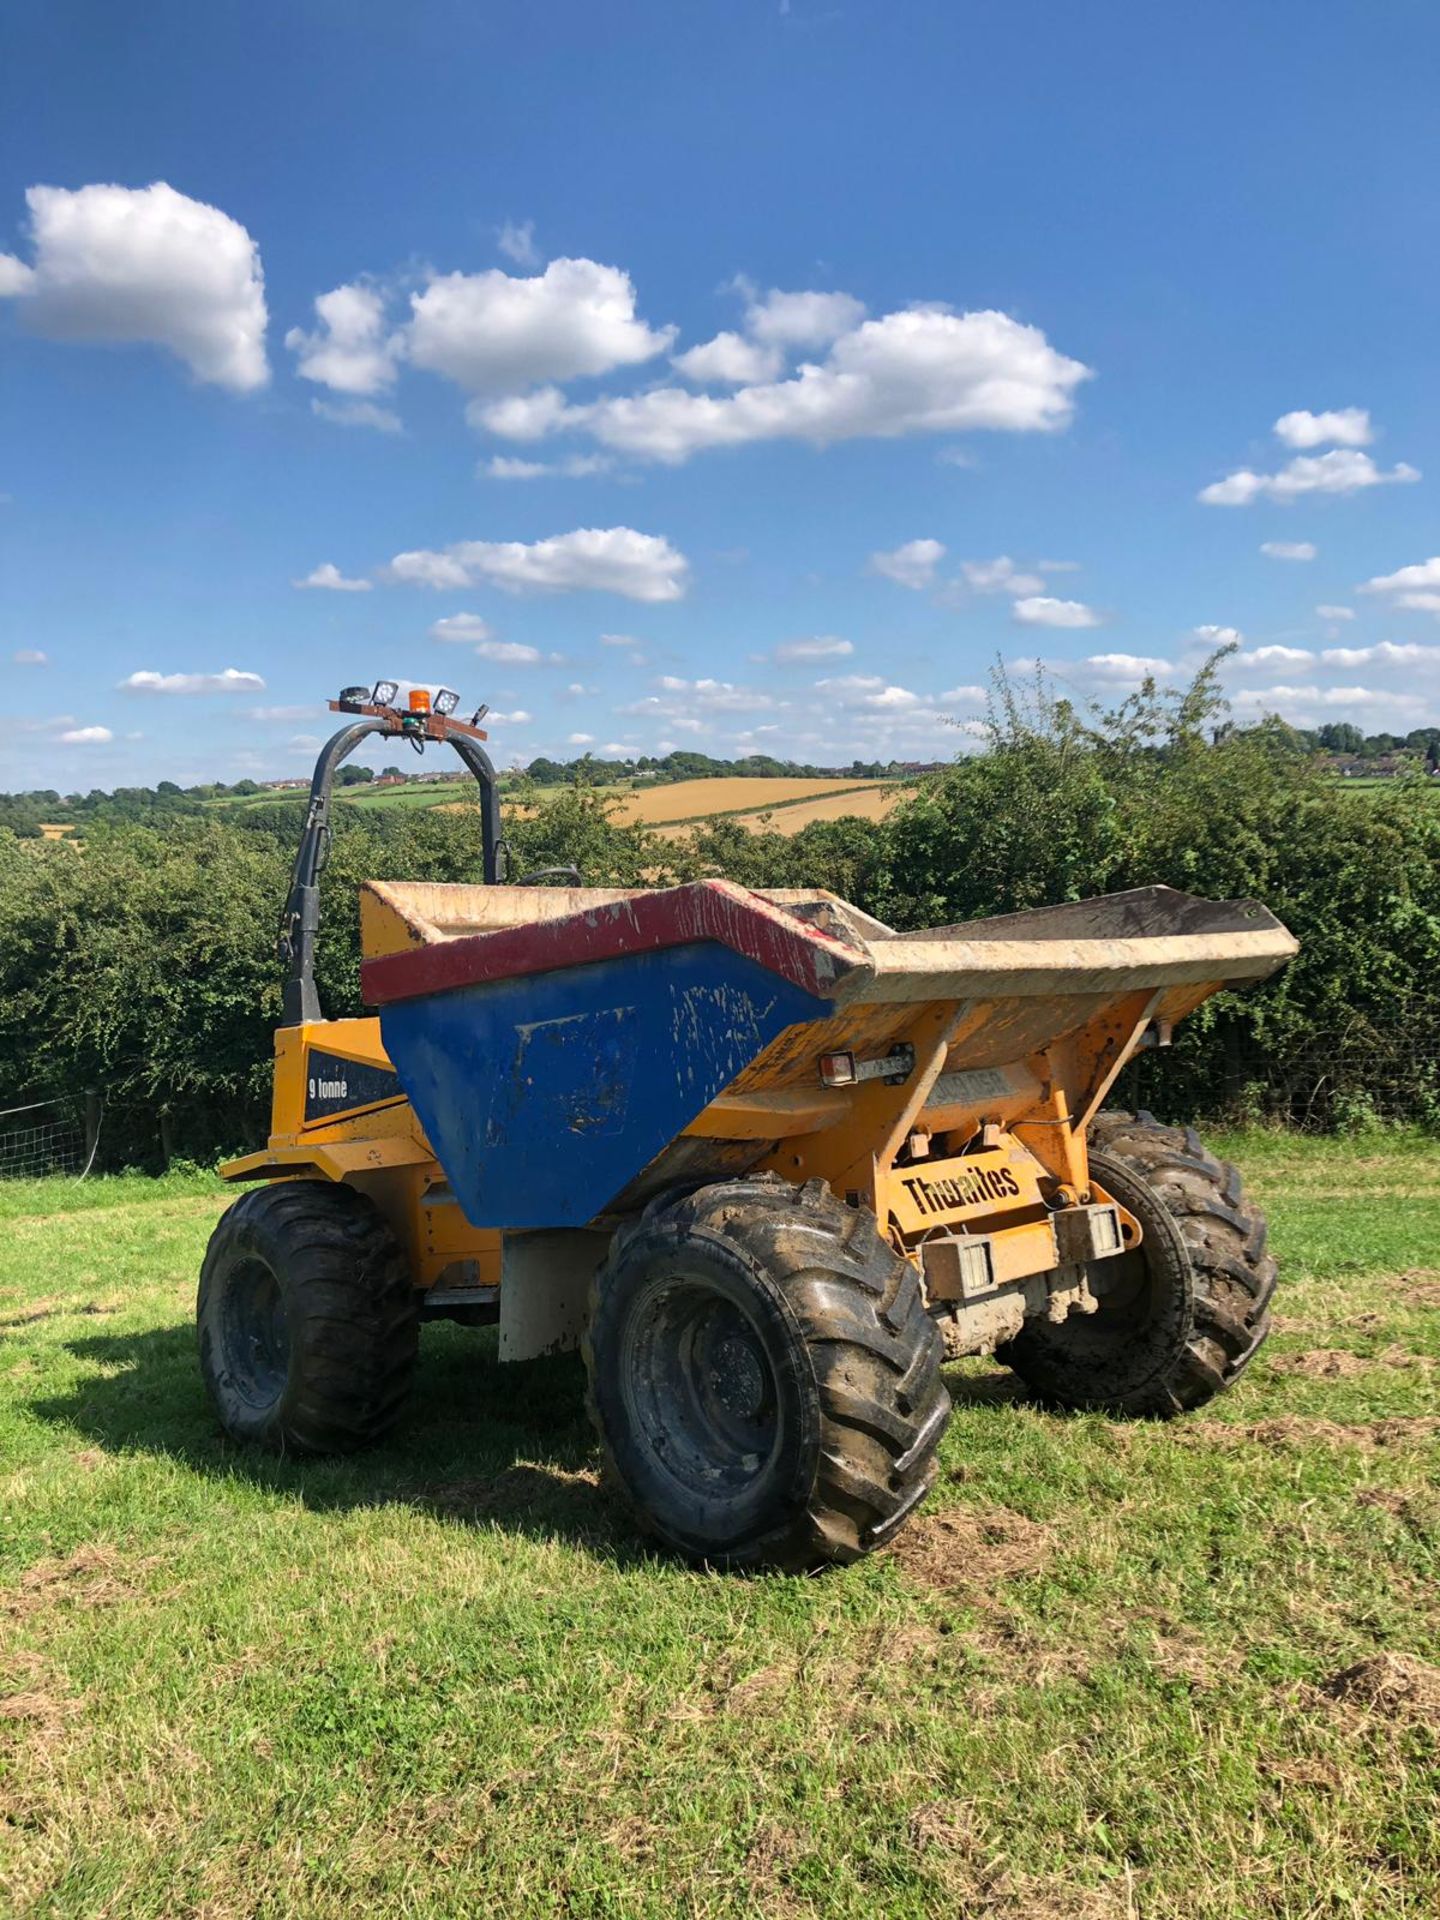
[(385, 693), (445, 701)]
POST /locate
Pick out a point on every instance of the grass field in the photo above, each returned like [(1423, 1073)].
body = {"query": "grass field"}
[(1113, 1672)]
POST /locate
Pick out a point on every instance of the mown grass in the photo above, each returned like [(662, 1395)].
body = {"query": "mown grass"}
[(447, 1679)]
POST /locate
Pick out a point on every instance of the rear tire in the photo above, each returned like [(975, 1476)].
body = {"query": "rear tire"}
[(1182, 1316), (763, 1377), (307, 1320)]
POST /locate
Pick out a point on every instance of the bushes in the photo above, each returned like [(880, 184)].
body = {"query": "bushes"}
[(143, 963)]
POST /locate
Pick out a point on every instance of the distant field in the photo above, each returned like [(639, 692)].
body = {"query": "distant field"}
[(705, 799), (868, 803), (780, 806)]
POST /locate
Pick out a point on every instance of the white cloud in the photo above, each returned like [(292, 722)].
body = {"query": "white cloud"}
[(1289, 549), (519, 718), (508, 653), (691, 705), (579, 739), (1121, 669), (231, 680), (1219, 636), (86, 737), (493, 332), (30, 657), (1425, 574), (1327, 612), (1337, 472), (576, 466), (1271, 657), (358, 413), (304, 743), (464, 629), (618, 640), (1000, 575), (638, 566), (1040, 610), (911, 565), (1385, 653), (1304, 700), (820, 646), (921, 370), (350, 352), (802, 319), (1419, 602), (328, 576), (731, 360), (516, 240), (146, 264), (1344, 427)]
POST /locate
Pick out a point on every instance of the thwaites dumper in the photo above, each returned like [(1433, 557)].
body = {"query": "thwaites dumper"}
[(766, 1161)]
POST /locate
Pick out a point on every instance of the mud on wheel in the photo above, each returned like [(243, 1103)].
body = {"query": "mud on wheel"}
[(763, 1376), (306, 1318), (1181, 1316)]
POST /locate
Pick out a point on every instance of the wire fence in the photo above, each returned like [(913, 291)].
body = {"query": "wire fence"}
[(49, 1136)]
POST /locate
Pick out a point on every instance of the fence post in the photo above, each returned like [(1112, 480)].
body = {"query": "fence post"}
[(92, 1122)]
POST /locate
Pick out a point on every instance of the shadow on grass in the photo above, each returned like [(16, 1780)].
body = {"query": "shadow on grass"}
[(478, 1442)]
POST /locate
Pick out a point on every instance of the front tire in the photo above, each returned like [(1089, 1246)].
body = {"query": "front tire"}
[(764, 1378), (1182, 1315), (306, 1319)]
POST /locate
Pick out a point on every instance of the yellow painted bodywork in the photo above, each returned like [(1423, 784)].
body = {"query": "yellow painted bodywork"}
[(379, 1148)]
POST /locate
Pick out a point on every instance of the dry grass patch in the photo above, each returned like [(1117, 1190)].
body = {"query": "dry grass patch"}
[(971, 1548)]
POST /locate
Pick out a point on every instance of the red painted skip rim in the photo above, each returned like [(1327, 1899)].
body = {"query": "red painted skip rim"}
[(673, 917)]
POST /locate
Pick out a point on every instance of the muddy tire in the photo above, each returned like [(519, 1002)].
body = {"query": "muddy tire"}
[(763, 1377), (307, 1321), (1182, 1316)]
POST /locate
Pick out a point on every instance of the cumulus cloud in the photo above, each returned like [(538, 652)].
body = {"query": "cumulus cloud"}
[(494, 333), (1289, 549), (230, 680), (819, 646), (358, 413), (920, 370), (1339, 472), (800, 319), (1000, 575), (1123, 669), (466, 629), (1271, 657), (729, 360), (86, 737), (1214, 636), (508, 653), (349, 352), (516, 240), (29, 657), (1344, 427), (145, 264), (1415, 588), (911, 565), (576, 466), (328, 576), (1385, 653), (637, 566), (1041, 610), (1299, 701)]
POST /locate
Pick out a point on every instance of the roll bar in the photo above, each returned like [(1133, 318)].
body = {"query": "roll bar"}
[(301, 920)]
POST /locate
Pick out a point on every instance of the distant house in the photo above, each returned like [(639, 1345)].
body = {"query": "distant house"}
[(282, 786)]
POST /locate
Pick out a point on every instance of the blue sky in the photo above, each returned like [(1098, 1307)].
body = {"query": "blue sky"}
[(988, 296)]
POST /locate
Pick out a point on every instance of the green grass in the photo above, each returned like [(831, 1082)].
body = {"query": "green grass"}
[(446, 1678)]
